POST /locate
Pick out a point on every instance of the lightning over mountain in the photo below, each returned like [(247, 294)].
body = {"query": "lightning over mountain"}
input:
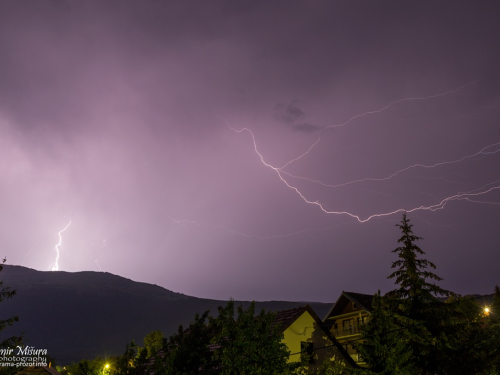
[(55, 265)]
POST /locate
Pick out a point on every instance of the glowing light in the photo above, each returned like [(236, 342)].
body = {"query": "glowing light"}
[(486, 310), (55, 266)]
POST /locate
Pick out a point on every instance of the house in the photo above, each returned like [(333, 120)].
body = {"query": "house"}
[(346, 319), (305, 334)]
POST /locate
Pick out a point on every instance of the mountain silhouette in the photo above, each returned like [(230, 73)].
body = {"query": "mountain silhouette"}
[(81, 315)]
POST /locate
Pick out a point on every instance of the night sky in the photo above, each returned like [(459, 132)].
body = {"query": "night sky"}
[(251, 149)]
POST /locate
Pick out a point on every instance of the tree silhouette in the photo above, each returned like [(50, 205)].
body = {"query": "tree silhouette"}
[(407, 333), (6, 293)]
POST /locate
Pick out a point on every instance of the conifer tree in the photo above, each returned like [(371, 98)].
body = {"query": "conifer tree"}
[(412, 331), (415, 303), (412, 272), (407, 333)]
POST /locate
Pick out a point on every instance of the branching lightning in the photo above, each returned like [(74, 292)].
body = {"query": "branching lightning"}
[(372, 113), (484, 151), (55, 265), (468, 196)]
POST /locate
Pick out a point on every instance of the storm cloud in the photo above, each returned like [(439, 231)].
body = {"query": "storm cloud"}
[(292, 116), (154, 127)]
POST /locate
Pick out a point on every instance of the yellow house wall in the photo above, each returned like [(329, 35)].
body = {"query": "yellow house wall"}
[(302, 329)]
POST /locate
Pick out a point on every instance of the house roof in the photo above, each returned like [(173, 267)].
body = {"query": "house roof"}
[(362, 300), (287, 317), (284, 319)]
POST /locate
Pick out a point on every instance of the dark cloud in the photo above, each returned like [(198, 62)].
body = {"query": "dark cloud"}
[(306, 128), (288, 114), (291, 116)]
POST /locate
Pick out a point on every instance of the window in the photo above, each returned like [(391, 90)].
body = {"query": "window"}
[(346, 324), (307, 349)]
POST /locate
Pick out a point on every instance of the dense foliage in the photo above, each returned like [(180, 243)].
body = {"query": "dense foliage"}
[(188, 351), (6, 293), (237, 341), (10, 341), (96, 366), (413, 331), (416, 329), (248, 344)]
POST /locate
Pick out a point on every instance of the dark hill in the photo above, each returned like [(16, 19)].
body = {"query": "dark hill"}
[(88, 314)]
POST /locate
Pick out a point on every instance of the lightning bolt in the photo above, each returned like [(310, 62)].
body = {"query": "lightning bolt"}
[(55, 265), (468, 196), (102, 246), (484, 152), (372, 113)]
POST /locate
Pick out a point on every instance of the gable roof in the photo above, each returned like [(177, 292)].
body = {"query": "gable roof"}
[(287, 317), (362, 300), (284, 319)]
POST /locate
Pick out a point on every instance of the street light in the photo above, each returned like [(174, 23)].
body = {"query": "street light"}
[(106, 366)]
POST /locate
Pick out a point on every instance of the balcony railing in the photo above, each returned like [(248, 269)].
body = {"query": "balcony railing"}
[(347, 331)]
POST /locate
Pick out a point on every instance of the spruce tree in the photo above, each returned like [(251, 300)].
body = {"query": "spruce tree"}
[(415, 303), (412, 331), (407, 333), (412, 272)]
